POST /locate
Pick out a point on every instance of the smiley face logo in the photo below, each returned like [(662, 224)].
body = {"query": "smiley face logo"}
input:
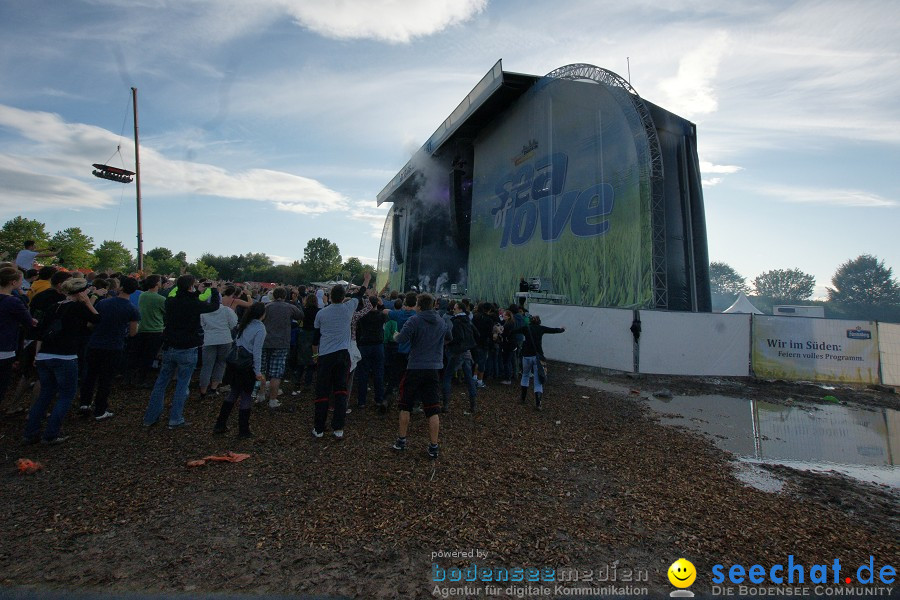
[(682, 573)]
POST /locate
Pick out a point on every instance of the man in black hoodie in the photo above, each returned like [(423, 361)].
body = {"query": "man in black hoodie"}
[(182, 337)]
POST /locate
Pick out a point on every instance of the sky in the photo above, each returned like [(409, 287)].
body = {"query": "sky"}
[(265, 123)]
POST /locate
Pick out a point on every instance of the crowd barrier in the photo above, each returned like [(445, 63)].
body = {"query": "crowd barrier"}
[(717, 344)]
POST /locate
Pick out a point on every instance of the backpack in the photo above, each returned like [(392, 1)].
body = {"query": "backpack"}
[(463, 334), (51, 326)]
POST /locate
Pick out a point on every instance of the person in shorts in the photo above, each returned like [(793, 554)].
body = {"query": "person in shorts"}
[(425, 332)]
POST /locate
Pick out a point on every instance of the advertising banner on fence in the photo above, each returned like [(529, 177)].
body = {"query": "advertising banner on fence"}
[(889, 344), (815, 349)]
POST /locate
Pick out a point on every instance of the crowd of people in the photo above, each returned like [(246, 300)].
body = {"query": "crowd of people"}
[(70, 335)]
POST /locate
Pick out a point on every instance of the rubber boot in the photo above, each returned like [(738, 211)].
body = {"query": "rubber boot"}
[(524, 389), (222, 422), (244, 423), (473, 405), (538, 396)]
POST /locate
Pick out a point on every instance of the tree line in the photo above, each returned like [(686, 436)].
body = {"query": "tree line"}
[(322, 259), (861, 288)]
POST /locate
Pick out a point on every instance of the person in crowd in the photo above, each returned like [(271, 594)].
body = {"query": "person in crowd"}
[(459, 355), (52, 295), (61, 331), (279, 314), (307, 342), (31, 276), (370, 341), (333, 370), (217, 342), (401, 357), (29, 252), (152, 307), (98, 290), (392, 378), (251, 335), (507, 342), (106, 348), (484, 324), (42, 283), (532, 353), (14, 316), (320, 298), (425, 332), (182, 337)]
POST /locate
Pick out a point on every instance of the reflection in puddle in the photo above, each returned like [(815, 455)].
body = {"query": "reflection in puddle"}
[(860, 443)]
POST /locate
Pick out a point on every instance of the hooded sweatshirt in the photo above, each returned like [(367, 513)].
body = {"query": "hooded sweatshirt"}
[(426, 332)]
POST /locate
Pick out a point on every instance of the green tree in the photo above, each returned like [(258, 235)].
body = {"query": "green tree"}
[(723, 279), (17, 230), (165, 262), (75, 248), (112, 256), (785, 284), (864, 286), (321, 259), (201, 270)]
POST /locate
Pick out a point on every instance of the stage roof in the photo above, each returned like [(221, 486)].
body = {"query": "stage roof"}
[(491, 96)]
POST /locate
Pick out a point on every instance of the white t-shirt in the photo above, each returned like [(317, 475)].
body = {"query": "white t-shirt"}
[(25, 259)]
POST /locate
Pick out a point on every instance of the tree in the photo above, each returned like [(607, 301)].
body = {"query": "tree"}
[(166, 263), (723, 279), (864, 283), (321, 259), (112, 256), (75, 248), (201, 270), (17, 230), (353, 270), (785, 284)]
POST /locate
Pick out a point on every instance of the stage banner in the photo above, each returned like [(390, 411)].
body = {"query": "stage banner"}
[(596, 337), (679, 343), (561, 192), (809, 349), (889, 348)]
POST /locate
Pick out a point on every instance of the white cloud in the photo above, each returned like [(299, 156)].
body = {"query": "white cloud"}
[(394, 21), (708, 167), (711, 182), (52, 172), (691, 91), (827, 197)]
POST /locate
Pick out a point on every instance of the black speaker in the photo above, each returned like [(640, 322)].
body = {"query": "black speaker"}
[(399, 250)]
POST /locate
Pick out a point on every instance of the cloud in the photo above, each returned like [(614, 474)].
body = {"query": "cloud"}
[(52, 171), (711, 182), (690, 92), (366, 212), (393, 21), (708, 167), (828, 197)]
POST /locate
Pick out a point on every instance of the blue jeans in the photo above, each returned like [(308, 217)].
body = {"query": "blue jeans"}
[(529, 369), (174, 360), (57, 376), (372, 363), (453, 363)]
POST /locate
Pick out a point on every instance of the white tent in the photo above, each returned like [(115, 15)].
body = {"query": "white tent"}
[(743, 305)]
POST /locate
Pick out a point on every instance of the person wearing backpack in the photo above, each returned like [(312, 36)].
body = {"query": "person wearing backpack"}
[(251, 335), (56, 360), (459, 355)]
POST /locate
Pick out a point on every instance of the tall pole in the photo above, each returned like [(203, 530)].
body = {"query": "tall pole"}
[(137, 179)]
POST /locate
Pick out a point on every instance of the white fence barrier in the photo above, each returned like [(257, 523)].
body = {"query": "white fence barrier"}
[(694, 344), (597, 337), (715, 344)]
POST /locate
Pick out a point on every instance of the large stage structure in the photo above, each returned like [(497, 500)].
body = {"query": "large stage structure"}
[(570, 180)]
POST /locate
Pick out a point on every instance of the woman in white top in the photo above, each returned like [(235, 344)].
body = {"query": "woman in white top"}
[(217, 341)]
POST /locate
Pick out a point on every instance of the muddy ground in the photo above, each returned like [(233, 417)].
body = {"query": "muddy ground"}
[(592, 479)]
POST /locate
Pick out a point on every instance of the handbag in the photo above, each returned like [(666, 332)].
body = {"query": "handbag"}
[(239, 358)]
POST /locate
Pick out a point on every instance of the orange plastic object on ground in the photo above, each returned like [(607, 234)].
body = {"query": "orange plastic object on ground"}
[(227, 457), (26, 466)]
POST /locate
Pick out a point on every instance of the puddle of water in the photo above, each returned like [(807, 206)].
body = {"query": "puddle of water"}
[(860, 443)]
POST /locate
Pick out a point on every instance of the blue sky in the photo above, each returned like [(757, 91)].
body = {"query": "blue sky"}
[(265, 123)]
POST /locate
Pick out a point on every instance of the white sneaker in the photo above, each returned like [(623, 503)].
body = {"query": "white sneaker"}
[(104, 416), (317, 434), (274, 404), (339, 434)]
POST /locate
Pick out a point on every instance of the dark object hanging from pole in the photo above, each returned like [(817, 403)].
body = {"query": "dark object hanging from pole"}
[(112, 173)]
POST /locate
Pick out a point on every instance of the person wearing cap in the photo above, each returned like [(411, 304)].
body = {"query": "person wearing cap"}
[(64, 325)]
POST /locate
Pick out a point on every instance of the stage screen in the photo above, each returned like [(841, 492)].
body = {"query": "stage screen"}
[(562, 192)]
